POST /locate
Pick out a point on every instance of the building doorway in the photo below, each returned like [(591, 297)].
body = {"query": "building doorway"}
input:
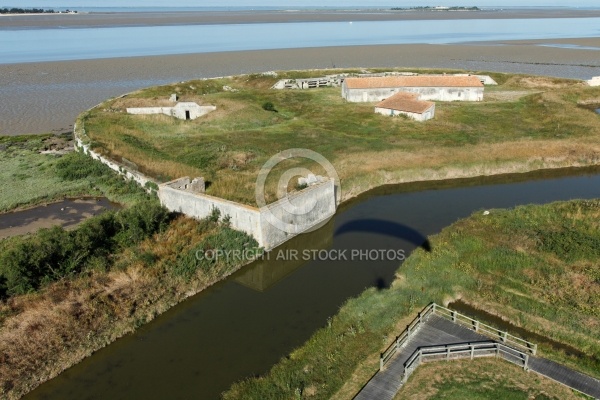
[(187, 115)]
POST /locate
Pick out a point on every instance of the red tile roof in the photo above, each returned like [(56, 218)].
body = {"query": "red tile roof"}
[(413, 81), (408, 102)]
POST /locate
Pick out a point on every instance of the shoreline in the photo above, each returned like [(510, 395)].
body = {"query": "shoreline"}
[(60, 90), (130, 19)]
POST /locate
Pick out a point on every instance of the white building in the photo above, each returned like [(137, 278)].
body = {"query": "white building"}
[(408, 104), (595, 81), (183, 110), (433, 87)]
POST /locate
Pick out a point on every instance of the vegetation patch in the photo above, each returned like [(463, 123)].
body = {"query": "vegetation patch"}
[(72, 293), (480, 379), (32, 178)]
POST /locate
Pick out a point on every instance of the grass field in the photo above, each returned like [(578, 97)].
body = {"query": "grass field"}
[(30, 178), (524, 123), (537, 266)]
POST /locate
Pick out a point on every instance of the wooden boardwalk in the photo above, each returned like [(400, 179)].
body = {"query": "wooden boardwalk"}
[(436, 331)]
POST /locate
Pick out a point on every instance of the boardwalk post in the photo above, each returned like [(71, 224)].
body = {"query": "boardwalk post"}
[(433, 307), (453, 316), (476, 326), (497, 350), (420, 318), (397, 342), (407, 331), (472, 351), (504, 335), (447, 353), (381, 362), (525, 365), (534, 349)]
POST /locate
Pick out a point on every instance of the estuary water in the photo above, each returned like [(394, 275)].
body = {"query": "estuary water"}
[(245, 324), (35, 45)]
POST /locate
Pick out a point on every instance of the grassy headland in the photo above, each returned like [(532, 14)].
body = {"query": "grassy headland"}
[(537, 266), (57, 316), (523, 124)]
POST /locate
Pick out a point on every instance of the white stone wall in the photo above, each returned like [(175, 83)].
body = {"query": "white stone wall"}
[(138, 177), (425, 93), (263, 223), (196, 205), (149, 110), (179, 111), (321, 200)]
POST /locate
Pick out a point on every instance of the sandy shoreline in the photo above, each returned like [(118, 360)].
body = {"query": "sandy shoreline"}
[(47, 96), (87, 20)]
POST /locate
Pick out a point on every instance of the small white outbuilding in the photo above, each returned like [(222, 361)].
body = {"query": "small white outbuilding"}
[(408, 104)]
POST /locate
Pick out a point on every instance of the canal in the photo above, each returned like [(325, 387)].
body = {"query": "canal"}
[(245, 324)]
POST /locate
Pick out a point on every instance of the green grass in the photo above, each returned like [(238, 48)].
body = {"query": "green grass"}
[(231, 144), (30, 178), (506, 263), (480, 379)]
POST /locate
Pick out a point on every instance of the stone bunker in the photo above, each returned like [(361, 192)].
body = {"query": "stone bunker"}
[(184, 110)]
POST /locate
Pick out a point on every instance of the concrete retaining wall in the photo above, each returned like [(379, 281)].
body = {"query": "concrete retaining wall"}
[(138, 177), (197, 205), (316, 204), (264, 224)]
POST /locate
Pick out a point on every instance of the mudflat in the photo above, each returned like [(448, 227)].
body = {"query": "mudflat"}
[(47, 96), (87, 20)]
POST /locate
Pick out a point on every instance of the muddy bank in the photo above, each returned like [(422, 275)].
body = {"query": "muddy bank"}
[(59, 91), (84, 20), (66, 213)]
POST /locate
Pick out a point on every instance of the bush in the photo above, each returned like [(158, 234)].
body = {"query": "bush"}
[(26, 263), (220, 249), (268, 106), (76, 165)]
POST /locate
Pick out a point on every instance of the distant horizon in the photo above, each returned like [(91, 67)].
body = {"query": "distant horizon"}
[(165, 4)]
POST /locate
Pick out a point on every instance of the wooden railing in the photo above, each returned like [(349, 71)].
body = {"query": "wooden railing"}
[(410, 330), (508, 340), (493, 333), (464, 350)]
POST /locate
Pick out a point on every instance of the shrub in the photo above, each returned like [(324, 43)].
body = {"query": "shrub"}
[(268, 106), (76, 165), (26, 263)]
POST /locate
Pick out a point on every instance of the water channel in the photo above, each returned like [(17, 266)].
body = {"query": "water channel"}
[(245, 324)]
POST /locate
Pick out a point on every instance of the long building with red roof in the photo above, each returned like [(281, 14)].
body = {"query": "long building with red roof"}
[(428, 87)]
